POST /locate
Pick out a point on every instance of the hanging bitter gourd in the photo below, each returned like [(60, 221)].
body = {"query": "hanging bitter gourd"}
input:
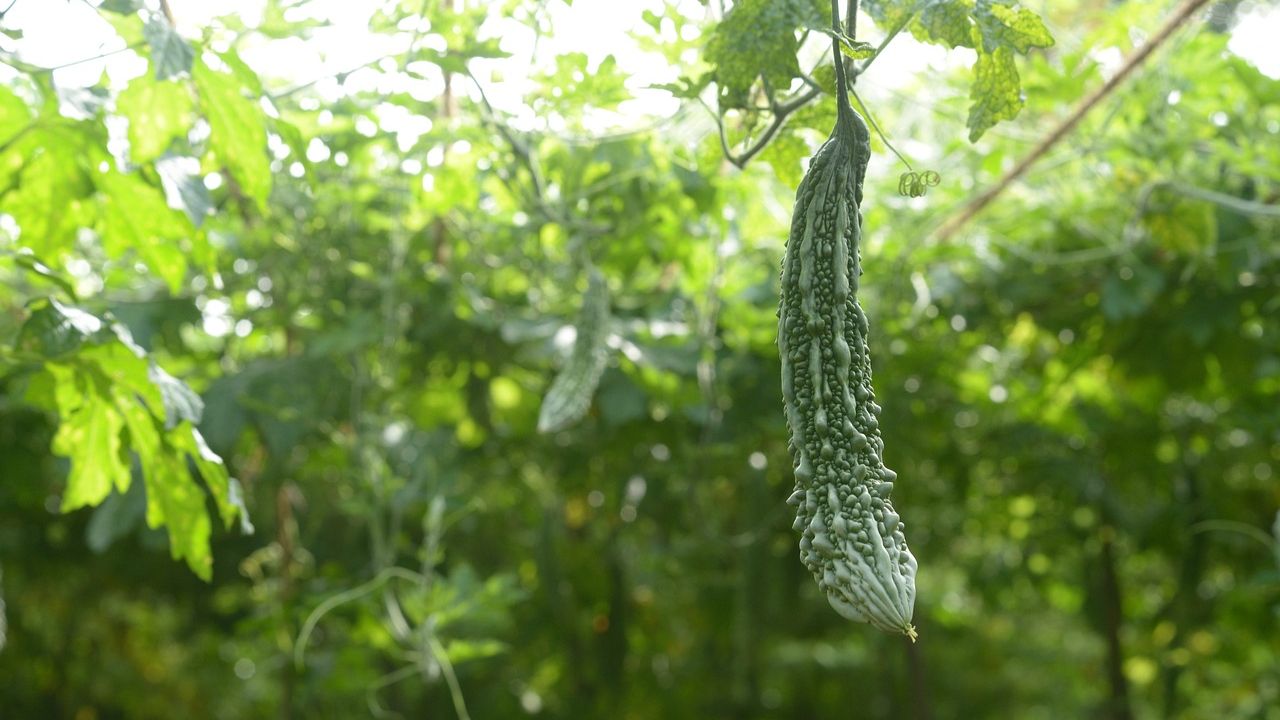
[(852, 540), (571, 391)]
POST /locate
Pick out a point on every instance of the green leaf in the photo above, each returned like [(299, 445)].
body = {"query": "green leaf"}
[(14, 115), (177, 502), (33, 265), (1129, 293), (181, 403), (996, 29), (54, 330), (685, 87), (159, 112), (238, 134), (242, 72), (889, 13), (128, 26), (170, 54), (227, 494), (121, 7), (184, 189), (173, 497), (1003, 25), (462, 650), (292, 136), (946, 23), (786, 155), (849, 47), (856, 49), (757, 39), (125, 366), (54, 179), (996, 92), (89, 434), (111, 399), (135, 217), (825, 76)]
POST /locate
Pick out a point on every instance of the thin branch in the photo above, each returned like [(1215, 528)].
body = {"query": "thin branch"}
[(391, 678), (525, 155), (517, 145), (1240, 205), (979, 203), (851, 19), (455, 690), (168, 13), (779, 119), (341, 75), (14, 62), (1239, 528), (13, 140), (346, 596)]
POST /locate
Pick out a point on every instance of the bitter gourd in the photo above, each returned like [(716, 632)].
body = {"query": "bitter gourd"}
[(852, 540), (571, 391)]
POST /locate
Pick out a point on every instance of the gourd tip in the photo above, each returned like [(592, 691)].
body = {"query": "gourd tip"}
[(911, 633)]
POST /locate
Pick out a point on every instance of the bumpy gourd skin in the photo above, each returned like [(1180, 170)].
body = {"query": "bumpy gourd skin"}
[(571, 392), (852, 540)]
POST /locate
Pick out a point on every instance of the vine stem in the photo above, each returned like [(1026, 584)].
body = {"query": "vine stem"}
[(17, 64), (341, 598), (782, 111), (971, 209), (450, 677), (876, 126), (842, 82), (780, 116)]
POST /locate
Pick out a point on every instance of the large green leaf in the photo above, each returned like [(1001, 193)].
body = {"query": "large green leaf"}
[(174, 500), (238, 133), (137, 219), (159, 112), (996, 92), (184, 189), (946, 23), (14, 116), (170, 54), (757, 39), (996, 29), (89, 434), (50, 183), (55, 330), (1004, 24), (112, 400)]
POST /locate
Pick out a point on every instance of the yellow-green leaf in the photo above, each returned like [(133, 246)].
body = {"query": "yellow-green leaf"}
[(237, 131), (90, 437), (996, 91), (158, 112)]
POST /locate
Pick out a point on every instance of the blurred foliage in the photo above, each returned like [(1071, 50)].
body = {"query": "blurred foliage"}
[(372, 281)]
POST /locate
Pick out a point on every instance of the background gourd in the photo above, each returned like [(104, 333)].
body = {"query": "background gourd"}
[(569, 396)]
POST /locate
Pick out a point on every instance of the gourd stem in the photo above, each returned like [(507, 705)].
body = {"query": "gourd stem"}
[(844, 118)]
